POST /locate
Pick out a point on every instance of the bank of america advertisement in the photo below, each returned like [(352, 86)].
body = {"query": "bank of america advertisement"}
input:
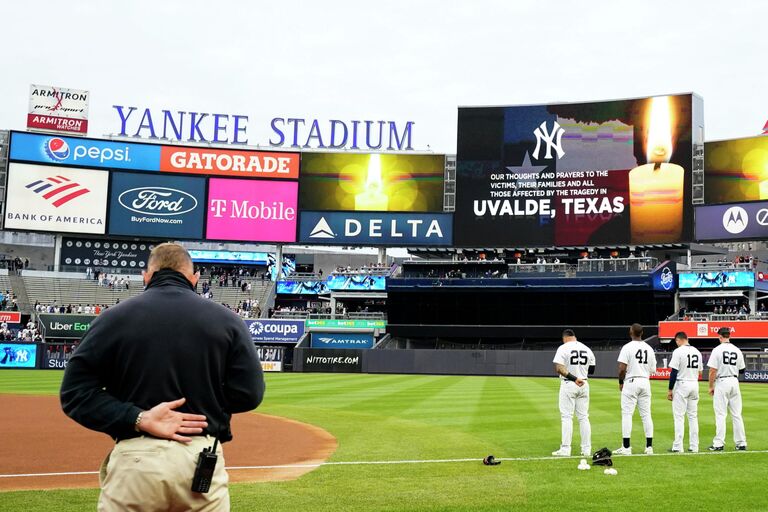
[(45, 198), (372, 182), (609, 172), (736, 170), (149, 205)]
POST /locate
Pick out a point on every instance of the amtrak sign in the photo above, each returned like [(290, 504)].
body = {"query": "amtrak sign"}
[(376, 228)]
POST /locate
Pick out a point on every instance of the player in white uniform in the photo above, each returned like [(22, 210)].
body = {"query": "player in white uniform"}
[(725, 363), (574, 362), (686, 365), (637, 362)]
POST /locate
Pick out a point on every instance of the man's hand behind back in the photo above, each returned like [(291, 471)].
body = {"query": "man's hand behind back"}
[(163, 422)]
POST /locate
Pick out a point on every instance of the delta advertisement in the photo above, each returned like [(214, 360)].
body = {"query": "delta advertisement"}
[(341, 340), (45, 198), (372, 182), (741, 221), (57, 109), (18, 355), (87, 252), (716, 279), (736, 170), (376, 228), (45, 149), (252, 210), (580, 174), (150, 205), (275, 331)]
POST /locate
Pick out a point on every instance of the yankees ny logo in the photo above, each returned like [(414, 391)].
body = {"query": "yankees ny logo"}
[(552, 139)]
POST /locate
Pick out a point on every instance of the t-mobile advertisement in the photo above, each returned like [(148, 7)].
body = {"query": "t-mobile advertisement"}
[(252, 210), (609, 172)]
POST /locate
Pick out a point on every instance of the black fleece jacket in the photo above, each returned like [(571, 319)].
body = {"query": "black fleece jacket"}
[(162, 345)]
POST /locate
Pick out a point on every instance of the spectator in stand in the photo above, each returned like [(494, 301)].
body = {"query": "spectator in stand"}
[(762, 307)]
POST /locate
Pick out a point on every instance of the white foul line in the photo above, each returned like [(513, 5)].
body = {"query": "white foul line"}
[(385, 462)]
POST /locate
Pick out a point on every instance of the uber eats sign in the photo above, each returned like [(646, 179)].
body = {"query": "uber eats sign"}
[(64, 326)]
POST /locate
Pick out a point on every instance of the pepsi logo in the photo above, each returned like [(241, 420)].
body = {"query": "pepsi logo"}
[(57, 149)]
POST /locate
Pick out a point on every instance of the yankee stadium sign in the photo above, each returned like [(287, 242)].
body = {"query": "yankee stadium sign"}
[(293, 132)]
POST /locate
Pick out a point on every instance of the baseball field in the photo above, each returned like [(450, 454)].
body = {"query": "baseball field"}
[(415, 443)]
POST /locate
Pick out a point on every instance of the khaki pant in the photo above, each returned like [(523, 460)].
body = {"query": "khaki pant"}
[(146, 474)]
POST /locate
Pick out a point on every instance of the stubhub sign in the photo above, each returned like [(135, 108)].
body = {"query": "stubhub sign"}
[(376, 228), (48, 149), (275, 331)]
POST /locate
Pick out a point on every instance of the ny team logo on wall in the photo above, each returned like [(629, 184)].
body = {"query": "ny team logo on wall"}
[(67, 200)]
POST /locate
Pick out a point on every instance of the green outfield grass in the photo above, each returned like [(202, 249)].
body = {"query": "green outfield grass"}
[(396, 417)]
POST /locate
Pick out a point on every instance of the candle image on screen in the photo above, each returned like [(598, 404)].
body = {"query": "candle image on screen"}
[(373, 197), (656, 188)]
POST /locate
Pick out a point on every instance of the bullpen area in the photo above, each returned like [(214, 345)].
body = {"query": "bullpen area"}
[(393, 442)]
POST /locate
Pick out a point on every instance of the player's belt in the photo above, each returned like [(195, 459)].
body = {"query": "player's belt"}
[(630, 379), (727, 377)]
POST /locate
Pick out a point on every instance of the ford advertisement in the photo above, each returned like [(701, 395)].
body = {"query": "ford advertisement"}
[(275, 331), (149, 205), (54, 150), (341, 340)]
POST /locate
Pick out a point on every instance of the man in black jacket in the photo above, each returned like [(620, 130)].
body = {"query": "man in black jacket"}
[(162, 373)]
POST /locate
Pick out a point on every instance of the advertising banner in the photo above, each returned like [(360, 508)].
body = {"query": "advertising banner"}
[(45, 149), (275, 331), (579, 174), (392, 229), (716, 279), (739, 329), (56, 326), (18, 355), (203, 256), (357, 283), (44, 198), (755, 376), (741, 221), (150, 205), (227, 162), (372, 182), (57, 109), (271, 358), (88, 252), (302, 288), (10, 317), (664, 277), (53, 363), (346, 324), (736, 170), (332, 360), (341, 340), (252, 210)]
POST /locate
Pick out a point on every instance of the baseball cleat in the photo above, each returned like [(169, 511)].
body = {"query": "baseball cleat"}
[(586, 453), (672, 450), (623, 451), (562, 452), (693, 450), (742, 448), (715, 448), (649, 450)]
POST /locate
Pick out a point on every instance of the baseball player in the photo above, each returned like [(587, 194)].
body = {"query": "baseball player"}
[(637, 362), (686, 365), (574, 362), (725, 364)]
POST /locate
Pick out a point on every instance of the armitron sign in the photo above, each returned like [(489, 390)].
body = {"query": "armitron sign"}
[(56, 109)]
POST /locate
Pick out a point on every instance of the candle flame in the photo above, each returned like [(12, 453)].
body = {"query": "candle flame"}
[(374, 181), (659, 138)]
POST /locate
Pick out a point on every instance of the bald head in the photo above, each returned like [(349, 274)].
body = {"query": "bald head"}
[(170, 256)]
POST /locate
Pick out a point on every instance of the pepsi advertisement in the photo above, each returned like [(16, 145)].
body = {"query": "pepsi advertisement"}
[(356, 283), (376, 228), (716, 279), (148, 205), (47, 149), (736, 221), (18, 355), (275, 331), (341, 340)]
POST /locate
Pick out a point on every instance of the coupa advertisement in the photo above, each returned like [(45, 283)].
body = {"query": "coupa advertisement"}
[(736, 170), (275, 331), (372, 182), (45, 198), (341, 340), (610, 172), (149, 205)]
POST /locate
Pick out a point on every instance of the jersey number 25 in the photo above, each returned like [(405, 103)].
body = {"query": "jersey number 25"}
[(578, 357)]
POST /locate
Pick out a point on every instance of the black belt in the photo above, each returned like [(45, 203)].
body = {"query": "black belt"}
[(728, 377), (632, 379)]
